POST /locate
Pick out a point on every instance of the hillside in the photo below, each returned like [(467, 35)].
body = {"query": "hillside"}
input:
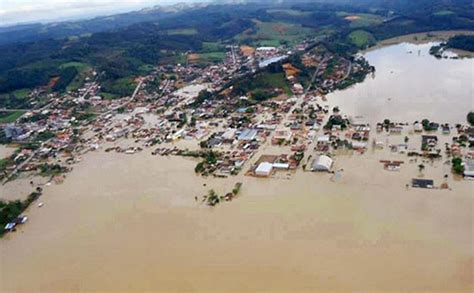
[(127, 45)]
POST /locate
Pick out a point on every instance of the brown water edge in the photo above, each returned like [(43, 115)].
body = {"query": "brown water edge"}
[(420, 38), (130, 223), (6, 151)]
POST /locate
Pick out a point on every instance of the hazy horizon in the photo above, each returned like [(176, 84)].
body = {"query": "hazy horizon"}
[(13, 12)]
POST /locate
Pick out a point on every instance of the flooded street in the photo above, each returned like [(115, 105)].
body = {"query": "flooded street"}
[(136, 219), (409, 85), (6, 151)]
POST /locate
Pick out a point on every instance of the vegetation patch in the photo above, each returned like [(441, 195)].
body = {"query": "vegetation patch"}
[(359, 20), (212, 198), (212, 57), (274, 33), (263, 86), (120, 87), (51, 170), (83, 71), (182, 32), (470, 118), (208, 47), (21, 93), (11, 210), (10, 117), (462, 42), (361, 38), (457, 166), (290, 12), (443, 13)]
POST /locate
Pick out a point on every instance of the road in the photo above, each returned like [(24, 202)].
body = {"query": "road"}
[(135, 92), (313, 78), (234, 60), (349, 70)]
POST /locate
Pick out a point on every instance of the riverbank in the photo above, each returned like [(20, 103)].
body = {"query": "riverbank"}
[(420, 38), (409, 85)]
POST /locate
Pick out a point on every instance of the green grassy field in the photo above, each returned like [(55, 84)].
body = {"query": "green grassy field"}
[(291, 12), (10, 117), (108, 96), (83, 69), (21, 94), (275, 33), (182, 32), (361, 38), (212, 57), (443, 13), (118, 88), (181, 59), (146, 69), (363, 19), (275, 80), (208, 47), (79, 65), (265, 82)]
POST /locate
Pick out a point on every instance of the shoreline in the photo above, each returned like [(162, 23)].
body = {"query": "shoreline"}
[(418, 38)]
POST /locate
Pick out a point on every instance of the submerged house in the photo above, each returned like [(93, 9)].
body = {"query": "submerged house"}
[(469, 170), (422, 183)]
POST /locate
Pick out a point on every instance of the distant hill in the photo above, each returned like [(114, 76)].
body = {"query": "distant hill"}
[(56, 30), (122, 45)]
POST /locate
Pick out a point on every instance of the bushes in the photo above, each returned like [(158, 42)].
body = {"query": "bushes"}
[(65, 77), (458, 167), (121, 87), (462, 42), (48, 170), (470, 118), (12, 209)]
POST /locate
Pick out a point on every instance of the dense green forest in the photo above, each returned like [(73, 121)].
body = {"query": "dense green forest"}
[(461, 42), (122, 48)]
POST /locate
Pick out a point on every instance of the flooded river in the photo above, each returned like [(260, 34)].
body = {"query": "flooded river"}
[(409, 84)]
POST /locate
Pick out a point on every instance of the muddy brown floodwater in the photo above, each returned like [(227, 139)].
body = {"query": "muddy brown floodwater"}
[(409, 84)]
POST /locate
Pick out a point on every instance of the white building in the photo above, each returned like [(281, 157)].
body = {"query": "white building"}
[(264, 169), (322, 164), (323, 139)]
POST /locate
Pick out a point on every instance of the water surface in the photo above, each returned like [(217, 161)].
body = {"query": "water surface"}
[(409, 84)]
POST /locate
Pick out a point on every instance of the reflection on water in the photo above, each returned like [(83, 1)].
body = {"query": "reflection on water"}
[(410, 84)]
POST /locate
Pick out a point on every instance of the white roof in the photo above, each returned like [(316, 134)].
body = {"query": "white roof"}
[(229, 134), (248, 134), (264, 168), (265, 48), (322, 163), (281, 165), (359, 144), (323, 138)]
